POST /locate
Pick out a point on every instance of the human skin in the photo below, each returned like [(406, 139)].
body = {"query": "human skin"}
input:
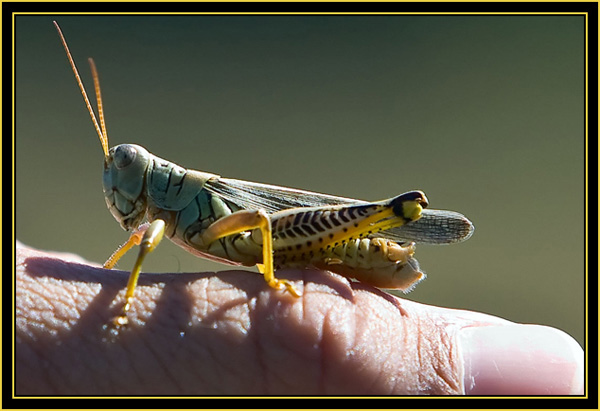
[(228, 333)]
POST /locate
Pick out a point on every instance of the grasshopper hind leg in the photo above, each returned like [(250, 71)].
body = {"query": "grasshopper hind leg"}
[(244, 220), (376, 261)]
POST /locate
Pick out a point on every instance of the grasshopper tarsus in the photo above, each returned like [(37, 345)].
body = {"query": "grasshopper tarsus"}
[(288, 286)]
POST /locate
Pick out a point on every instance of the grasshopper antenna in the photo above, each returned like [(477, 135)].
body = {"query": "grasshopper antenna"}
[(98, 98), (101, 131)]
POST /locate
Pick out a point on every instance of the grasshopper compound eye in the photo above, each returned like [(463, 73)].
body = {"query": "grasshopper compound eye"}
[(124, 155)]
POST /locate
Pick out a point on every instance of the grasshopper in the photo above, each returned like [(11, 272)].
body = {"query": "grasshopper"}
[(246, 223)]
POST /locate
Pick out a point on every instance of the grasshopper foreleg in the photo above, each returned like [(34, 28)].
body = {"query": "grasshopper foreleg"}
[(134, 239), (244, 220), (147, 236)]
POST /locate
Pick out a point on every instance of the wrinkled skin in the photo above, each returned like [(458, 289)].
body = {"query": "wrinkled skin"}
[(226, 333)]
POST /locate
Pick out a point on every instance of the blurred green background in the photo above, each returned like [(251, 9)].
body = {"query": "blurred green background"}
[(483, 113)]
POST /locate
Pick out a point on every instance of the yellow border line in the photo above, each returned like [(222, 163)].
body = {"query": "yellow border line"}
[(586, 116)]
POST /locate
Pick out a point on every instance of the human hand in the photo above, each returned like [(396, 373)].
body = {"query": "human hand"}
[(230, 334)]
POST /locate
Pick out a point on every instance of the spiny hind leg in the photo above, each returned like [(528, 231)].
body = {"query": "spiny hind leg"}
[(148, 237), (376, 261), (245, 220)]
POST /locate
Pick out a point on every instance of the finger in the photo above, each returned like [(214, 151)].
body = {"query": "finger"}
[(518, 359), (229, 334)]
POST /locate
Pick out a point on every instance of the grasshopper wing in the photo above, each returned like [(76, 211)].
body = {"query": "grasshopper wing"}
[(250, 195), (434, 226)]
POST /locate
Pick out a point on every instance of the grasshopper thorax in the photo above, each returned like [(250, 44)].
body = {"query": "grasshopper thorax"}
[(124, 182)]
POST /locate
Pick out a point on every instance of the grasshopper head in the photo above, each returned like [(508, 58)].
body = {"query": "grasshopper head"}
[(124, 182)]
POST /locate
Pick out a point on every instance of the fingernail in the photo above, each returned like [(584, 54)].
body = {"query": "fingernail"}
[(519, 359)]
